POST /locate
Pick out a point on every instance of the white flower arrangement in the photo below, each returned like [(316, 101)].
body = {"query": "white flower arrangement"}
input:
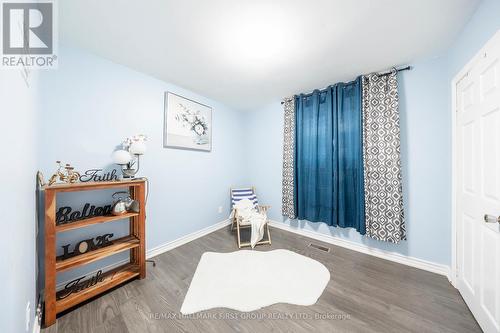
[(194, 121)]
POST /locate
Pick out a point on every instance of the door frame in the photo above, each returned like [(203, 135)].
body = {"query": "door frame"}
[(456, 79), (461, 74)]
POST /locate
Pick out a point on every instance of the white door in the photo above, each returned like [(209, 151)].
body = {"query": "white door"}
[(478, 185)]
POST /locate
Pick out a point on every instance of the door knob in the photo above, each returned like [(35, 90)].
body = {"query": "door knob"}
[(491, 218)]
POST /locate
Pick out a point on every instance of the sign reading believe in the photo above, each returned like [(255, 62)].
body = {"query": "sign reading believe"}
[(65, 214)]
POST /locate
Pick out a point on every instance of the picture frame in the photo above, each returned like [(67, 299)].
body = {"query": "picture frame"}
[(187, 124)]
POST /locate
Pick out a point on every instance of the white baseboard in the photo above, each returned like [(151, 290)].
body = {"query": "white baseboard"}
[(387, 255), (185, 239), (161, 248), (36, 324)]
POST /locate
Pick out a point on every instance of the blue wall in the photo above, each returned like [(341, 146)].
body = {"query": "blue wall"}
[(89, 105), (481, 27), (17, 195)]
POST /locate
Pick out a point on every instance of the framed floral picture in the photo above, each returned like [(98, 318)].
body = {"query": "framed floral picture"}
[(188, 124)]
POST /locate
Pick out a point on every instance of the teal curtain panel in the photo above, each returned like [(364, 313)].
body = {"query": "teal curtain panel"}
[(328, 162)]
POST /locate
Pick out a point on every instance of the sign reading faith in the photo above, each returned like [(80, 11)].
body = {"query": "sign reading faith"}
[(98, 175), (78, 285)]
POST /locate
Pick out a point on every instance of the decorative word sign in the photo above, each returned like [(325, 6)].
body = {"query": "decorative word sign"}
[(65, 214), (78, 285), (86, 245), (97, 175)]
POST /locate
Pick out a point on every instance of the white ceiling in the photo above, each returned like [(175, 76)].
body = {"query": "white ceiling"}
[(248, 53)]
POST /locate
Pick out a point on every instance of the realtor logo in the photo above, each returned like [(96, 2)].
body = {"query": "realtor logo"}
[(28, 34)]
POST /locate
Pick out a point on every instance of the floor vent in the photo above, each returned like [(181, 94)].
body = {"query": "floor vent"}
[(319, 247)]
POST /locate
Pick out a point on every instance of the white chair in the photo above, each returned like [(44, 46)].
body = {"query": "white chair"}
[(238, 194)]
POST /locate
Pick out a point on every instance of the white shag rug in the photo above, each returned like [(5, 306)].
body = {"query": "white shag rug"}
[(249, 280)]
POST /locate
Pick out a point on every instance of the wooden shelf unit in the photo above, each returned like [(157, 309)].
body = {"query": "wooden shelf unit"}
[(134, 242)]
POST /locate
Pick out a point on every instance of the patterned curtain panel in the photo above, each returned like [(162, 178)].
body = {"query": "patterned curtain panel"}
[(288, 188), (381, 157)]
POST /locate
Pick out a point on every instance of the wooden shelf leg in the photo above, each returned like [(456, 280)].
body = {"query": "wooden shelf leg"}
[(50, 258), (137, 228), (141, 229), (133, 228)]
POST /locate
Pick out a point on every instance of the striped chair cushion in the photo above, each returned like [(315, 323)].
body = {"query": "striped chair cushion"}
[(238, 194)]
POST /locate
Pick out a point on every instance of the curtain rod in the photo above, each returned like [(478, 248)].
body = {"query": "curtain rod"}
[(407, 68)]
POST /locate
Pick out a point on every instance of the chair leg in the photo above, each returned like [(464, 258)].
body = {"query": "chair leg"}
[(235, 218), (268, 233), (238, 234)]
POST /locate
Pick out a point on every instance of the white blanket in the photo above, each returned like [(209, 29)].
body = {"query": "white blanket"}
[(248, 215)]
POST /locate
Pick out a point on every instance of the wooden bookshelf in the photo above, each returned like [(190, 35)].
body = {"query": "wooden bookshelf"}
[(134, 243)]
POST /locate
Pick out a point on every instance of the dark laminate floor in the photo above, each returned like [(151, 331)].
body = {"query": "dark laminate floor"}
[(365, 294)]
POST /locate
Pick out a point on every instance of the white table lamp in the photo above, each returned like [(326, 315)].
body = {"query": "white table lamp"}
[(129, 155)]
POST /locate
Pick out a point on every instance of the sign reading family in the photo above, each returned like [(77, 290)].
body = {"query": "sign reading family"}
[(28, 34)]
